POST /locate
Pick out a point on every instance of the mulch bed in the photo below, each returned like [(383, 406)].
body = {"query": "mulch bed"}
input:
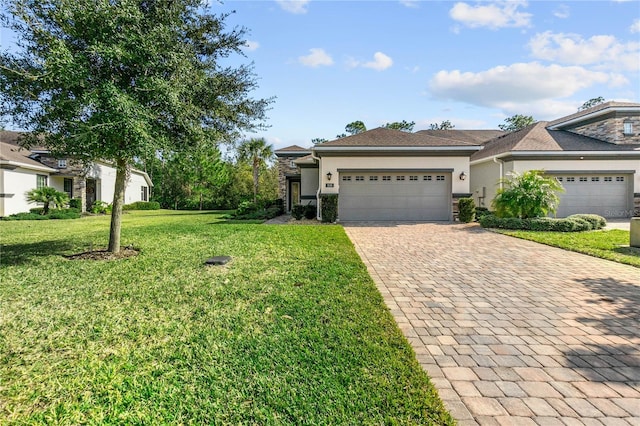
[(124, 253)]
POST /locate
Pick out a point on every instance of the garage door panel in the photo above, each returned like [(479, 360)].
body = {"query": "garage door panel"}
[(414, 199), (607, 195)]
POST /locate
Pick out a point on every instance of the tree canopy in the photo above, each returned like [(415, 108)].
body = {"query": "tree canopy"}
[(516, 122), (444, 125), (401, 125), (355, 127), (591, 103), (257, 153), (126, 79)]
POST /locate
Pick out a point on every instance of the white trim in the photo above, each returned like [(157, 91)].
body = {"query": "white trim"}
[(592, 115), (555, 154), (391, 149), (28, 166)]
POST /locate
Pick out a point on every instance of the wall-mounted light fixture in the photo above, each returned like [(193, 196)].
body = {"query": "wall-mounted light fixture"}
[(463, 176), (329, 175)]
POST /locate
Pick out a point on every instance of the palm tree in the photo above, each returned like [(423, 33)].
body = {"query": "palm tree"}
[(47, 195), (257, 153)]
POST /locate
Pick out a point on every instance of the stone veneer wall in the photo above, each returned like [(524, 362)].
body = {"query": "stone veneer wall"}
[(284, 169), (610, 130), (636, 204), (76, 171)]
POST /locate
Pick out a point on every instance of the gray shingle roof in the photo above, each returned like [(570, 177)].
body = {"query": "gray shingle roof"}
[(292, 148), (383, 137), (471, 136), (14, 153), (537, 137)]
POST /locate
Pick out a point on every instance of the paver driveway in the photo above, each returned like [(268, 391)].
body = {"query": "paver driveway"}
[(511, 332)]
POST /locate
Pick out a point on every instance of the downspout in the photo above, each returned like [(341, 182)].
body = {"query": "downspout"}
[(501, 163), (319, 186)]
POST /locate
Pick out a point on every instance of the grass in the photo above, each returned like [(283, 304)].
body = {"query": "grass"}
[(612, 244), (292, 331)]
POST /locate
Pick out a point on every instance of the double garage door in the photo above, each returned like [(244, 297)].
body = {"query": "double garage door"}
[(607, 195), (388, 196)]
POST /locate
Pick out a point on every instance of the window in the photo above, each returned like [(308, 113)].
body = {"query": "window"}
[(62, 164), (399, 177), (619, 178), (559, 179), (595, 179), (583, 179), (346, 178), (571, 179), (627, 128), (292, 164), (68, 187), (359, 178), (439, 177), (608, 179), (386, 178), (373, 177), (144, 193), (427, 177), (41, 181), (413, 177)]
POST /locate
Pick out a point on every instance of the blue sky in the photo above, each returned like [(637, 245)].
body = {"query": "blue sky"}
[(474, 63), (329, 63)]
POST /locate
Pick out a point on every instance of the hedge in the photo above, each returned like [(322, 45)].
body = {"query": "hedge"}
[(329, 207), (142, 205), (574, 223), (466, 209)]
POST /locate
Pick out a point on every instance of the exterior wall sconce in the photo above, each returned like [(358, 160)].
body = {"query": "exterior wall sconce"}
[(463, 176), (329, 175)]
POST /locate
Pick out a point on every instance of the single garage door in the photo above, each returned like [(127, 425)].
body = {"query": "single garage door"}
[(415, 196), (607, 195)]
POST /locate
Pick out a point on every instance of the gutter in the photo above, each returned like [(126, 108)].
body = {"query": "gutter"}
[(594, 114), (27, 166), (501, 163), (396, 148)]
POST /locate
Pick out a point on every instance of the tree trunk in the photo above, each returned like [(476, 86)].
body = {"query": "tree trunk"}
[(122, 174), (201, 201), (255, 181)]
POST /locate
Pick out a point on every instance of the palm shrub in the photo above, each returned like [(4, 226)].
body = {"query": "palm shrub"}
[(48, 196), (527, 195)]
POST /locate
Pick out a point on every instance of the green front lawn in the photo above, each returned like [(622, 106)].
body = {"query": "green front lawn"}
[(292, 331), (612, 244)]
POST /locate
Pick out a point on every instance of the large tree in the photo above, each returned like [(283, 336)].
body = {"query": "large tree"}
[(355, 127), (257, 153), (516, 122), (591, 103), (124, 79)]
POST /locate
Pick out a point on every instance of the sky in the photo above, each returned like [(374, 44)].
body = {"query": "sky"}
[(329, 63)]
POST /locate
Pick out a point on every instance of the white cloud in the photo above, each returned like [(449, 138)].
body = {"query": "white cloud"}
[(562, 11), (410, 3), (297, 7), (380, 62), (520, 87), (493, 15), (317, 57), (604, 51), (251, 45), (635, 27)]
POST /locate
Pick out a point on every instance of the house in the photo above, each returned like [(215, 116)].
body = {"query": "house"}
[(384, 174), (594, 154), (22, 170)]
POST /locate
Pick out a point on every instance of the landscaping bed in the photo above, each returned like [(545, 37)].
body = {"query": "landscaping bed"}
[(291, 331)]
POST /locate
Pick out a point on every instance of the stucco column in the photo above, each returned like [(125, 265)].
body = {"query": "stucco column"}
[(635, 232)]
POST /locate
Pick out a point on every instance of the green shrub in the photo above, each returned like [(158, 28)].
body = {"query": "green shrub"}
[(99, 207), (329, 207), (75, 203), (142, 205), (262, 214), (596, 221), (310, 211), (53, 214), (247, 207), (37, 210), (466, 209), (26, 216), (278, 203), (64, 214), (545, 224), (481, 212), (530, 194), (297, 211)]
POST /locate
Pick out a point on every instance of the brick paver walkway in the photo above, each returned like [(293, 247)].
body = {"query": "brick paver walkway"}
[(510, 331)]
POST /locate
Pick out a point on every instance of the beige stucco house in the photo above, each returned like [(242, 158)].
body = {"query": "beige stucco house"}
[(384, 174), (22, 170), (595, 154)]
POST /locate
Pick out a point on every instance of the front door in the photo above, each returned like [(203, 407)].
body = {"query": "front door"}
[(294, 194), (91, 193)]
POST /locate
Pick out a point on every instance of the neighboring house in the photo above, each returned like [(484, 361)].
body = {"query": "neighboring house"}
[(22, 170), (385, 174), (595, 154)]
